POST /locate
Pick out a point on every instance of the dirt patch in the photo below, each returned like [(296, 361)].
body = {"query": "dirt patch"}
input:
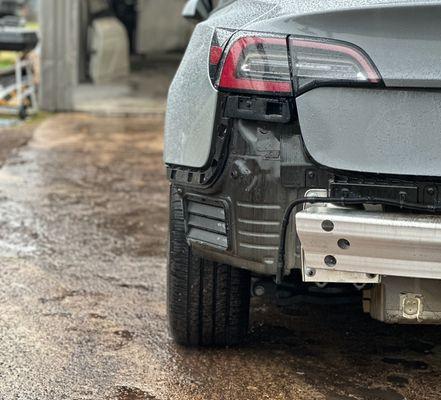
[(15, 137)]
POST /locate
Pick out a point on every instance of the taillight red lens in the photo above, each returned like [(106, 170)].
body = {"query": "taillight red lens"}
[(318, 62), (283, 66), (215, 55), (257, 64)]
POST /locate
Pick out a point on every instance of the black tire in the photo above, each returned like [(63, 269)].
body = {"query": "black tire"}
[(208, 303)]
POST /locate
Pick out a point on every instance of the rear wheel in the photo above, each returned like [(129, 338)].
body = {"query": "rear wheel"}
[(208, 303)]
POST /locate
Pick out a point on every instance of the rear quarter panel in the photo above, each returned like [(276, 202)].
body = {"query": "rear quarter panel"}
[(192, 98)]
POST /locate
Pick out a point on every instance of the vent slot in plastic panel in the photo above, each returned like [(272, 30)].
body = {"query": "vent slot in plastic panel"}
[(206, 223)]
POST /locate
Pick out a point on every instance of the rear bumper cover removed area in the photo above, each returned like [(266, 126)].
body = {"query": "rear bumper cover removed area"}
[(342, 244)]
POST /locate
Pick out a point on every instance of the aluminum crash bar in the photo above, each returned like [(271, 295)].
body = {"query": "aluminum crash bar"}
[(344, 244)]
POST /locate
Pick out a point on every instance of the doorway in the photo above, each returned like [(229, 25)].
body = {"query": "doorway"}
[(129, 52)]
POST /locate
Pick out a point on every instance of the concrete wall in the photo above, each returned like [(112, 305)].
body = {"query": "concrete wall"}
[(59, 53), (161, 29)]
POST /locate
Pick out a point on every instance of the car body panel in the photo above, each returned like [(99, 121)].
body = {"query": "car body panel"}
[(403, 41), (191, 106), (401, 37), (379, 131), (246, 157), (192, 98)]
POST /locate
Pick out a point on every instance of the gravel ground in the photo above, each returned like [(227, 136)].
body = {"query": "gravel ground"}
[(83, 210)]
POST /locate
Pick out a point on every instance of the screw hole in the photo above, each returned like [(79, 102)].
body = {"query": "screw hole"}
[(330, 261), (344, 244), (328, 226), (310, 272)]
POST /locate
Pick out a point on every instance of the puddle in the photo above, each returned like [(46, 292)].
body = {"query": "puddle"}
[(382, 394), (398, 380), (369, 394), (416, 346), (412, 364)]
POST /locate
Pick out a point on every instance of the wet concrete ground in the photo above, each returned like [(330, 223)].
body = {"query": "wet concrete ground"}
[(83, 224)]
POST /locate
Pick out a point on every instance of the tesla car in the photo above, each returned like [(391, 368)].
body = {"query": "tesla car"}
[(303, 147)]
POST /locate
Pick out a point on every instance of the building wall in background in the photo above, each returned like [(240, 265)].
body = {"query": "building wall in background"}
[(33, 10), (160, 29), (59, 53)]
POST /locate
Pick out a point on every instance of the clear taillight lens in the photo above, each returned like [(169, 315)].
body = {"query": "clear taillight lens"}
[(317, 62)]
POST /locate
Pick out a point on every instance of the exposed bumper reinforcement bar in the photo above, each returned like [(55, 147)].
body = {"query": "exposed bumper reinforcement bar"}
[(341, 244)]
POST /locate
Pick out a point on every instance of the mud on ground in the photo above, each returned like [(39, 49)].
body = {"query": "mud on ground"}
[(83, 226)]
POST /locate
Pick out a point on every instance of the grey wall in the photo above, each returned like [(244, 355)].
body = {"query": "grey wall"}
[(59, 53), (161, 29)]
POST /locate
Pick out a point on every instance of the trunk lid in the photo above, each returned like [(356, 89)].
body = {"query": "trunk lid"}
[(403, 40), (396, 130)]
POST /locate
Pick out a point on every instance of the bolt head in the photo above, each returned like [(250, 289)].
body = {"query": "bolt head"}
[(310, 272), (259, 290), (430, 191), (411, 306)]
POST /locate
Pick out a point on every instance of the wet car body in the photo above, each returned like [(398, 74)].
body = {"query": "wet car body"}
[(246, 151)]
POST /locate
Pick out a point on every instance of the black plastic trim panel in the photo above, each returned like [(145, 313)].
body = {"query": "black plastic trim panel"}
[(230, 108), (389, 187), (258, 109), (207, 221)]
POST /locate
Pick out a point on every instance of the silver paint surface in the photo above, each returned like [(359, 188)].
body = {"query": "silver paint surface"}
[(379, 131), (191, 106), (192, 98), (401, 37)]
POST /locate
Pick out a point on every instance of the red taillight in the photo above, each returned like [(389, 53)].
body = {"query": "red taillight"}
[(215, 55), (256, 64), (319, 62), (283, 66)]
